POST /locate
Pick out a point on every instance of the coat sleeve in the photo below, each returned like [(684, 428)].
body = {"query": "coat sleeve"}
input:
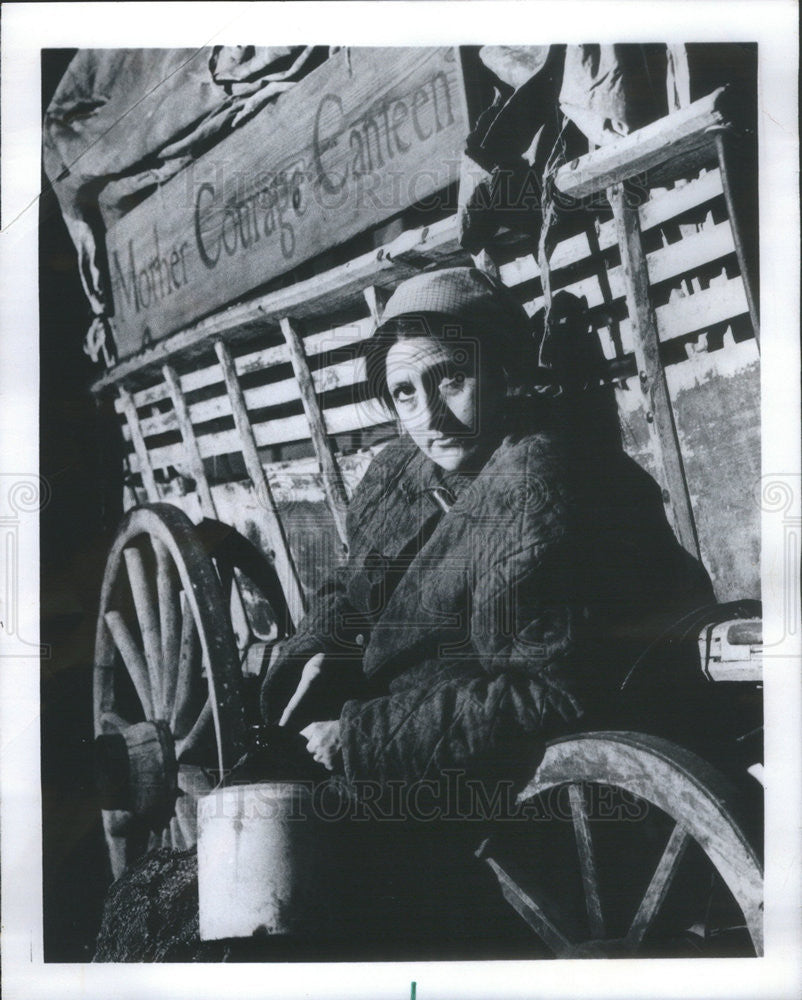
[(331, 625), (321, 631), (522, 683), (481, 724)]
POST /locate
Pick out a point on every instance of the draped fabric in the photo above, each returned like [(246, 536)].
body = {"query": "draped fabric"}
[(123, 121)]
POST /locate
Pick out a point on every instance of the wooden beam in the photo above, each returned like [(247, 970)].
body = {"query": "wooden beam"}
[(332, 477), (747, 256), (271, 522), (679, 134), (659, 414), (239, 619), (145, 468), (191, 449)]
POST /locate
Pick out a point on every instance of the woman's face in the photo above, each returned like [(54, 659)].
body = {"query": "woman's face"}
[(436, 392)]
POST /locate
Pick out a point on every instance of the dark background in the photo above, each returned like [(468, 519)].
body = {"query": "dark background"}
[(77, 457)]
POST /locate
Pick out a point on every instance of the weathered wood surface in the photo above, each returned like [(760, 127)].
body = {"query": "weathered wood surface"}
[(189, 442), (319, 432), (680, 784), (679, 134), (747, 255), (367, 134), (646, 345), (125, 405), (278, 549), (587, 859), (239, 618), (323, 294), (343, 286), (675, 319)]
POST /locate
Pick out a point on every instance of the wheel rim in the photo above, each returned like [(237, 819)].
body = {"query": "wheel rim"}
[(166, 680), (688, 832)]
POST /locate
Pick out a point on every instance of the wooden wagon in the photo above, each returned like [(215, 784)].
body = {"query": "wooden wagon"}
[(239, 314)]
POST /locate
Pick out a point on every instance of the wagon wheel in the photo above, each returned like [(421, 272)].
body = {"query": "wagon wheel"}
[(629, 845), (167, 701)]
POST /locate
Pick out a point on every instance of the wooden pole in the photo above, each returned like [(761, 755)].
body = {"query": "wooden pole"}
[(659, 414), (332, 477), (138, 441), (680, 134), (238, 617), (747, 261), (274, 531)]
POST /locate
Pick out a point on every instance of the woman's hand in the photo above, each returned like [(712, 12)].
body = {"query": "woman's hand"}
[(323, 742)]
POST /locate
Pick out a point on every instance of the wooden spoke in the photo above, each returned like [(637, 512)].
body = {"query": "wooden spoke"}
[(534, 912), (112, 722), (587, 863), (185, 747), (145, 604), (176, 836), (169, 622), (184, 676), (659, 885), (132, 658)]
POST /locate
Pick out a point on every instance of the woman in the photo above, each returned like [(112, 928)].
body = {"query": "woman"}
[(506, 562)]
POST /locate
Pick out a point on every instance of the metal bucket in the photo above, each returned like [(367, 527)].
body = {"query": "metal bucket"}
[(263, 862)]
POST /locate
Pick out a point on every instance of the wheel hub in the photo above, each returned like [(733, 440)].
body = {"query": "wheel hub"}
[(136, 770)]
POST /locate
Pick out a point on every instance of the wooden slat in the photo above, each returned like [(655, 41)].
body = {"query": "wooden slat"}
[(668, 262), (671, 138), (271, 523), (747, 257), (239, 619), (339, 420), (659, 209), (662, 429), (257, 361), (332, 478), (344, 374), (682, 316), (190, 443), (135, 434)]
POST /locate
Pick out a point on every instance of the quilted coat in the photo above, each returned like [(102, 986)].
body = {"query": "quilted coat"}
[(479, 631)]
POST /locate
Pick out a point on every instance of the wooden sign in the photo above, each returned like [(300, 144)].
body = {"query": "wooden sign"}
[(367, 134)]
